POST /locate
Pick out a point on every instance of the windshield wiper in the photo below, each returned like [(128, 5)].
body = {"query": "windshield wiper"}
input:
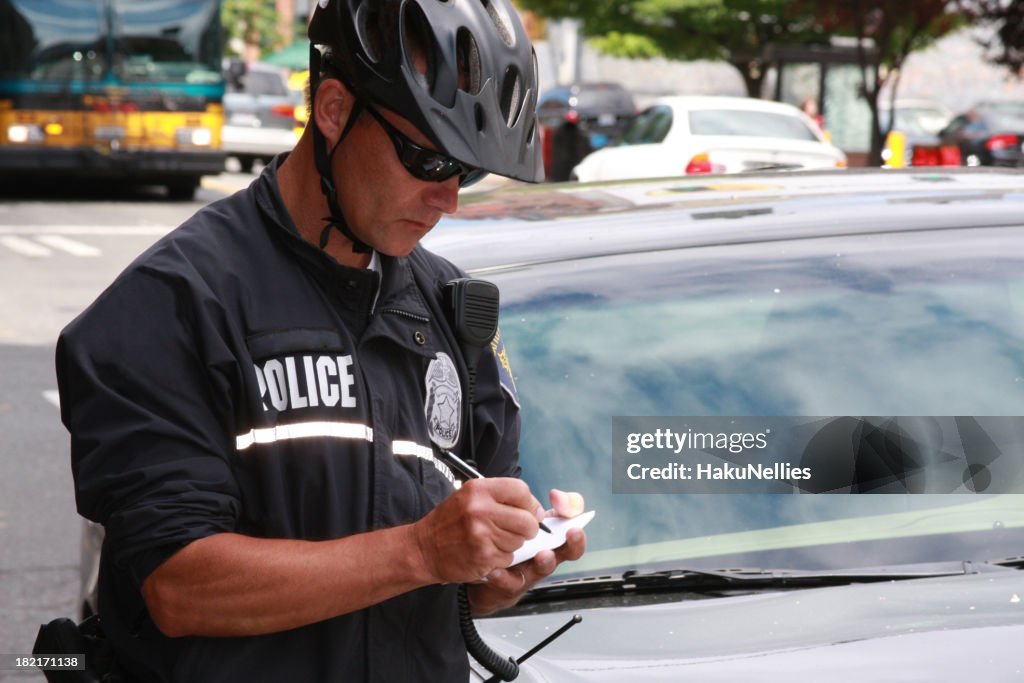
[(774, 166), (1011, 562), (732, 581)]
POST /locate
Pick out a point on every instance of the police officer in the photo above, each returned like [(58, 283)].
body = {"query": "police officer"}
[(259, 403)]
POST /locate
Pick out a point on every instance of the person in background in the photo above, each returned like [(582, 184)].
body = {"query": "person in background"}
[(810, 107)]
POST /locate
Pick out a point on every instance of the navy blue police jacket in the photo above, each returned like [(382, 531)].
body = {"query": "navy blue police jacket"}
[(237, 379)]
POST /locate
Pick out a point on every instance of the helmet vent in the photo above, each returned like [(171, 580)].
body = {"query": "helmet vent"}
[(481, 118), (419, 46), (511, 95), (367, 24), (499, 15), (468, 59)]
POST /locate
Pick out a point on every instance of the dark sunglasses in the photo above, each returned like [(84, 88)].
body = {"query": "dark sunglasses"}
[(423, 163)]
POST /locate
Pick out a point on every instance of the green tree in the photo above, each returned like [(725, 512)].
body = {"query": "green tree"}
[(738, 31), (896, 28), (254, 22), (1007, 19), (735, 31)]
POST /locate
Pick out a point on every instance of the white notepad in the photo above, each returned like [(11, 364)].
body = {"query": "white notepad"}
[(544, 541)]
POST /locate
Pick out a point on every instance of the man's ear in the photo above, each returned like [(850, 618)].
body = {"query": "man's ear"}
[(332, 107)]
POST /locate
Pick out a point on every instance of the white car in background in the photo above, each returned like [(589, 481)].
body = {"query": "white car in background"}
[(703, 134)]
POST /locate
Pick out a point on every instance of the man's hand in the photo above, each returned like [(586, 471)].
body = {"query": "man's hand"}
[(477, 528), (229, 585), (504, 587)]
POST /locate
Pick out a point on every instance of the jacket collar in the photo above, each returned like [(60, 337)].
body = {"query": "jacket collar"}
[(398, 288)]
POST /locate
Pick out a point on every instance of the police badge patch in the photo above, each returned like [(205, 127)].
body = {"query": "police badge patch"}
[(443, 407)]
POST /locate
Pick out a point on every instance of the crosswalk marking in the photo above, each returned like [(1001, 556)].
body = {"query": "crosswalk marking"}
[(44, 241), (69, 245), (95, 230), (24, 247)]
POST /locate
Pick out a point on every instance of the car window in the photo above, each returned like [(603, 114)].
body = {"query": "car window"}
[(652, 125), (555, 97), (917, 121), (833, 327), (53, 45), (265, 83), (604, 99), (749, 123), (1006, 119), (1013, 110), (955, 125), (187, 52)]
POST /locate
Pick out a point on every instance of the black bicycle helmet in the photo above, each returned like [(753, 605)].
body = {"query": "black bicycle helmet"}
[(462, 71)]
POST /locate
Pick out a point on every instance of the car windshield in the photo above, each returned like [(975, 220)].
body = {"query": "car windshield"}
[(264, 83), (652, 125), (66, 43), (749, 123), (900, 324), (154, 41), (916, 120), (601, 98), (175, 41), (1008, 117)]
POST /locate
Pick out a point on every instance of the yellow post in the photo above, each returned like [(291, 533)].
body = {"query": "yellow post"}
[(896, 144)]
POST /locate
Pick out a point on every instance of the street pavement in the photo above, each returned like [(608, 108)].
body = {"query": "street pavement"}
[(60, 246)]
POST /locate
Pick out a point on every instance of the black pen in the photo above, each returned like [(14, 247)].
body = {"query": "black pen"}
[(467, 470)]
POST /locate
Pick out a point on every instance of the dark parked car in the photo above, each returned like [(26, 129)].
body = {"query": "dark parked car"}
[(577, 119), (989, 134), (885, 293)]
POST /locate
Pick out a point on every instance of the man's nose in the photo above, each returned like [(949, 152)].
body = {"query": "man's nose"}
[(443, 196)]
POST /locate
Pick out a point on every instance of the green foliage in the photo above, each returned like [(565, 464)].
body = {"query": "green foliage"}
[(738, 31), (1007, 19), (252, 21), (631, 45), (734, 30), (896, 27)]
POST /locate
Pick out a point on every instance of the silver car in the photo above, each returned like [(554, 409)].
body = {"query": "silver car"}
[(817, 297), (259, 120)]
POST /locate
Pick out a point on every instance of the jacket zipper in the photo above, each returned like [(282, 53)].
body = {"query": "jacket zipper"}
[(406, 314)]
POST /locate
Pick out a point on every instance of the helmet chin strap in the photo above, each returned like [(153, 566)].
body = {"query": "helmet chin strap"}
[(323, 159)]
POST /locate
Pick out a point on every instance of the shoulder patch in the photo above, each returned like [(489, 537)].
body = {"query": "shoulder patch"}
[(508, 383)]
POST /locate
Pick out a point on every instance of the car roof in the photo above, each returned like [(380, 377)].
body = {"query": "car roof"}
[(725, 102), (587, 85), (267, 68), (523, 225), (913, 103)]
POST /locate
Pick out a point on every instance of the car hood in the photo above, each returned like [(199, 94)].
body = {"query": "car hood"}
[(942, 629)]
